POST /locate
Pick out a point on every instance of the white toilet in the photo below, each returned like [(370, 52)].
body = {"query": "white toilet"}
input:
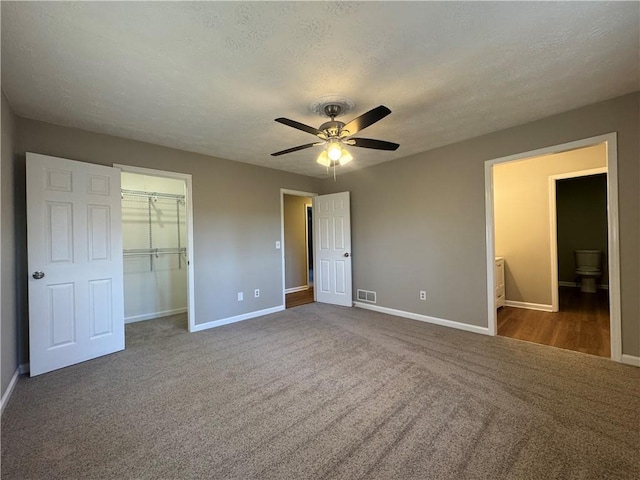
[(588, 263)]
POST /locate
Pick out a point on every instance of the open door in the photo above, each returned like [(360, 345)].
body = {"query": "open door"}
[(332, 267), (74, 241)]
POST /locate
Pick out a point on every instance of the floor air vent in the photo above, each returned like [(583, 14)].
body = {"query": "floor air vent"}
[(367, 296)]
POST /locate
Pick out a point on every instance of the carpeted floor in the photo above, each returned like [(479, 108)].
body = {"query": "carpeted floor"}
[(322, 392)]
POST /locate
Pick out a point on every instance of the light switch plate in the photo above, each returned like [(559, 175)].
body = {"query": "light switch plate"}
[(277, 243)]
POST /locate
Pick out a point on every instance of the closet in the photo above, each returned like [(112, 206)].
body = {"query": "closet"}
[(154, 238)]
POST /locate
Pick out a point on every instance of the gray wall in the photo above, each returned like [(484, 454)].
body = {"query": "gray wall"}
[(236, 209), (582, 222), (295, 240), (9, 325), (419, 223)]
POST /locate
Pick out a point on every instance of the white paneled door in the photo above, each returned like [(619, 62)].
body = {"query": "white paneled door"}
[(74, 245), (332, 266)]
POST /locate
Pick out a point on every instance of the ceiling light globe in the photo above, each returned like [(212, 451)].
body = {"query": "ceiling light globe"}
[(323, 159), (345, 158), (334, 151)]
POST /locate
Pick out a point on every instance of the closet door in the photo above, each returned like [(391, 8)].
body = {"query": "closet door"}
[(74, 246)]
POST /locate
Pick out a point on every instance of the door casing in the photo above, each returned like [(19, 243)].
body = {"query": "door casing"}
[(610, 140)]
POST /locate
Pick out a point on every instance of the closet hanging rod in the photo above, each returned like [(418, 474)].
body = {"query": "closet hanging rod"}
[(141, 193), (153, 251)]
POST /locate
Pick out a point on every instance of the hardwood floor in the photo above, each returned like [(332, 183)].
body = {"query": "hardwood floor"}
[(296, 299), (582, 324)]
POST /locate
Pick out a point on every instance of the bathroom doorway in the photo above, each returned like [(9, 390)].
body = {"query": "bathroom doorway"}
[(537, 307)]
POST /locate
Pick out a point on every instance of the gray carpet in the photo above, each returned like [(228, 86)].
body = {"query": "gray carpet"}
[(322, 392)]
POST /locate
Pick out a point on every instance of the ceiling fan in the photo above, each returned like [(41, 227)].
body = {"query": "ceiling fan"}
[(334, 134)]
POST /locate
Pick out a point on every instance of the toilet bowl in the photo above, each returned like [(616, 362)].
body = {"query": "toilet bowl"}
[(588, 264)]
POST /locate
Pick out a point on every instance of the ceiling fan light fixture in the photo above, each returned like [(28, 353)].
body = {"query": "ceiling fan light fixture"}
[(323, 159), (334, 150), (345, 158)]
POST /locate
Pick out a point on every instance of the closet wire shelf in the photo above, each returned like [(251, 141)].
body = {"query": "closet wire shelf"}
[(151, 251)]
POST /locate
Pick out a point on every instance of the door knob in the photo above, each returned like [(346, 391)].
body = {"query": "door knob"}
[(38, 275), (346, 254)]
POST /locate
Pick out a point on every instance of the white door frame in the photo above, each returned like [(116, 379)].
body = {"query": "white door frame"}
[(610, 141), (296, 193), (553, 226), (186, 177)]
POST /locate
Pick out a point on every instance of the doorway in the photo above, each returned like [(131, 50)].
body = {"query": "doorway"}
[(157, 245), (523, 302), (297, 226)]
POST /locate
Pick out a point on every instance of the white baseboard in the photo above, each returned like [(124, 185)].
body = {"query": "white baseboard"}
[(297, 289), (237, 318), (24, 368), (576, 285), (530, 306), (630, 360), (151, 316), (9, 391), (423, 318)]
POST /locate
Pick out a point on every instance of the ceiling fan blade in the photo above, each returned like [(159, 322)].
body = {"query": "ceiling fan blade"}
[(294, 149), (370, 143), (366, 119), (299, 126)]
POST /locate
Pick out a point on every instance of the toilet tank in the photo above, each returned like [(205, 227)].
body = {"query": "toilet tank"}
[(588, 258)]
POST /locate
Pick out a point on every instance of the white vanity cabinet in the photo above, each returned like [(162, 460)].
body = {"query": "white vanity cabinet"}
[(499, 279)]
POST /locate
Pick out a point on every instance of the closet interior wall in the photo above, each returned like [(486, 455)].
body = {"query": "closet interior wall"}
[(154, 246)]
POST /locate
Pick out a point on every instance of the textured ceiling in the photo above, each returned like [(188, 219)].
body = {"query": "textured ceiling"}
[(210, 77)]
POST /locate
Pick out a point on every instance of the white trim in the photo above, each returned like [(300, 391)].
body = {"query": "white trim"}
[(614, 247), (25, 368), (630, 360), (151, 316), (553, 225), (186, 177), (610, 140), (424, 318), (9, 391), (529, 306), (492, 316), (237, 318), (297, 289), (297, 193)]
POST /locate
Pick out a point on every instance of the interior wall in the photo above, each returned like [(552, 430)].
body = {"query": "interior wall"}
[(419, 223), (582, 223), (295, 240), (8, 287), (236, 213), (522, 219), (154, 285)]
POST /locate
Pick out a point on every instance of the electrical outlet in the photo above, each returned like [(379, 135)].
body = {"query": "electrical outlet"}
[(240, 296), (423, 295), (256, 293)]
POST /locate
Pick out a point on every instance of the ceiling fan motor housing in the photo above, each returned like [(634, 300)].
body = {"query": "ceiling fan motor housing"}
[(332, 128)]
